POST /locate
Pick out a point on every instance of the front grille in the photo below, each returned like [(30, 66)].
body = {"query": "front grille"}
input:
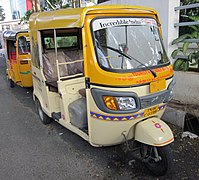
[(151, 100)]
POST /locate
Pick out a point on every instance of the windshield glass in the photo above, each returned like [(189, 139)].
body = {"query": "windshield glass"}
[(24, 45), (138, 38)]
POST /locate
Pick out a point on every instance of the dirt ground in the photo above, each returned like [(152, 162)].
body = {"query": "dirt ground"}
[(186, 158)]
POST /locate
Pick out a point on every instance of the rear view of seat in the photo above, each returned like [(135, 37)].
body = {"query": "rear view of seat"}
[(50, 68), (72, 55)]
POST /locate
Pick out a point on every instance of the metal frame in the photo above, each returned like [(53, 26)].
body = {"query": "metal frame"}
[(187, 23), (186, 6), (183, 8), (67, 63)]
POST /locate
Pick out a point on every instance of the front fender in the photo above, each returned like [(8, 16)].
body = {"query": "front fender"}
[(154, 132)]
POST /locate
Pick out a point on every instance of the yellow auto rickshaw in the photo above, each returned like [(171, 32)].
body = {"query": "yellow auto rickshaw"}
[(103, 73), (18, 58)]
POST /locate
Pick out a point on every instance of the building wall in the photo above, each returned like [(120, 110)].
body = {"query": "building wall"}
[(18, 6), (7, 9), (186, 88), (28, 5)]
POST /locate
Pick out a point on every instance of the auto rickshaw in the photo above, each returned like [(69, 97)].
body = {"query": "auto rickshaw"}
[(103, 73), (18, 58)]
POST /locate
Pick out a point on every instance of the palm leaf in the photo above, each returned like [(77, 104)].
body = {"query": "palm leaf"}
[(186, 66), (178, 64), (185, 47), (181, 38), (195, 28), (174, 53), (194, 35), (194, 18)]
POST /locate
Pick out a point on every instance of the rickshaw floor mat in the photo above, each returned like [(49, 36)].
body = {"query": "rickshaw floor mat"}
[(52, 86)]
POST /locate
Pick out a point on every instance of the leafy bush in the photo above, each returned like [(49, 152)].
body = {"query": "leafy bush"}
[(188, 32)]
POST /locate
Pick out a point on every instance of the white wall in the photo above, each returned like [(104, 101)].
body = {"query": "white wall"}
[(7, 10), (187, 87), (168, 17)]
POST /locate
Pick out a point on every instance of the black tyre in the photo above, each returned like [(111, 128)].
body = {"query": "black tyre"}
[(158, 160), (42, 116), (11, 83)]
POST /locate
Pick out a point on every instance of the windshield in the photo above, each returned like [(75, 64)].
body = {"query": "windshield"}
[(24, 45), (138, 38)]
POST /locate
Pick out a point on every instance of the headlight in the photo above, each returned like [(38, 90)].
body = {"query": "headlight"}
[(120, 103), (126, 103)]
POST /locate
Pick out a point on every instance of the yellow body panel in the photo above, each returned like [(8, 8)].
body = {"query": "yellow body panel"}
[(100, 76), (18, 71), (70, 18)]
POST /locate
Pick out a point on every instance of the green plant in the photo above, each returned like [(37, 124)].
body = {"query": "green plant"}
[(193, 57), (2, 14), (26, 17)]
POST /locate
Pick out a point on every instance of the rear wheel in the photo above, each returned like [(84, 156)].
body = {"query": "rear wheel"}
[(42, 116), (10, 83), (157, 159)]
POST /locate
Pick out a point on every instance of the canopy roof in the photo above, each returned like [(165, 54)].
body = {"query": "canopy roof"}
[(11, 35), (75, 17)]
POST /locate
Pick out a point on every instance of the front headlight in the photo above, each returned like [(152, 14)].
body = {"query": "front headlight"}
[(120, 103), (126, 103)]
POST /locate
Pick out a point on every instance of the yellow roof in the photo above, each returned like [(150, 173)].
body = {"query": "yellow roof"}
[(74, 17)]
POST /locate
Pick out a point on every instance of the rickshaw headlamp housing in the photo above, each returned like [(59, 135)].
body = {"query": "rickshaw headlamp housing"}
[(120, 103)]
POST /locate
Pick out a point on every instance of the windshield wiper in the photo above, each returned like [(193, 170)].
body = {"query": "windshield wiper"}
[(131, 58)]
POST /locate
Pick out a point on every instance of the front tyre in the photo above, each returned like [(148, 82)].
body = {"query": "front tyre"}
[(157, 159), (42, 116)]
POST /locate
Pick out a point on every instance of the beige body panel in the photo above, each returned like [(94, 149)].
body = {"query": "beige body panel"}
[(154, 132), (58, 101), (105, 132), (49, 100), (100, 132)]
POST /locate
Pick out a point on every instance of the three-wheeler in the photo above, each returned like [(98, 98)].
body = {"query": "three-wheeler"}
[(103, 73), (18, 70)]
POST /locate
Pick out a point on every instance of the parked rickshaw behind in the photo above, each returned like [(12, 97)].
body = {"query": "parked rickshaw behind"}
[(17, 45)]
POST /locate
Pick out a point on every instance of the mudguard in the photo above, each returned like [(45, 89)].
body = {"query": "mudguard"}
[(154, 132), (8, 73)]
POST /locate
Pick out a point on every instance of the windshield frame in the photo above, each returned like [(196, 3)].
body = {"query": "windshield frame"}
[(126, 70)]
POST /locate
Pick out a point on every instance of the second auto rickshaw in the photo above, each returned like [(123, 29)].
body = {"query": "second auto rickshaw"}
[(18, 58), (103, 73)]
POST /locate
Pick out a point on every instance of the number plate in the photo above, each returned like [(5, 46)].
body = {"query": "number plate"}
[(150, 111), (156, 86)]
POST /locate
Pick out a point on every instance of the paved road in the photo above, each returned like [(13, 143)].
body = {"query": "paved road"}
[(30, 150)]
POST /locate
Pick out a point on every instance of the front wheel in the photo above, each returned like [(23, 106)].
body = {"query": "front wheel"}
[(157, 159), (42, 116)]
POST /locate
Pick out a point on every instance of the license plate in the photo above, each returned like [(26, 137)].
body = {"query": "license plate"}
[(150, 111), (156, 86)]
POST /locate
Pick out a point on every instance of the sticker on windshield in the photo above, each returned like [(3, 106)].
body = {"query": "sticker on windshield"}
[(112, 22)]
